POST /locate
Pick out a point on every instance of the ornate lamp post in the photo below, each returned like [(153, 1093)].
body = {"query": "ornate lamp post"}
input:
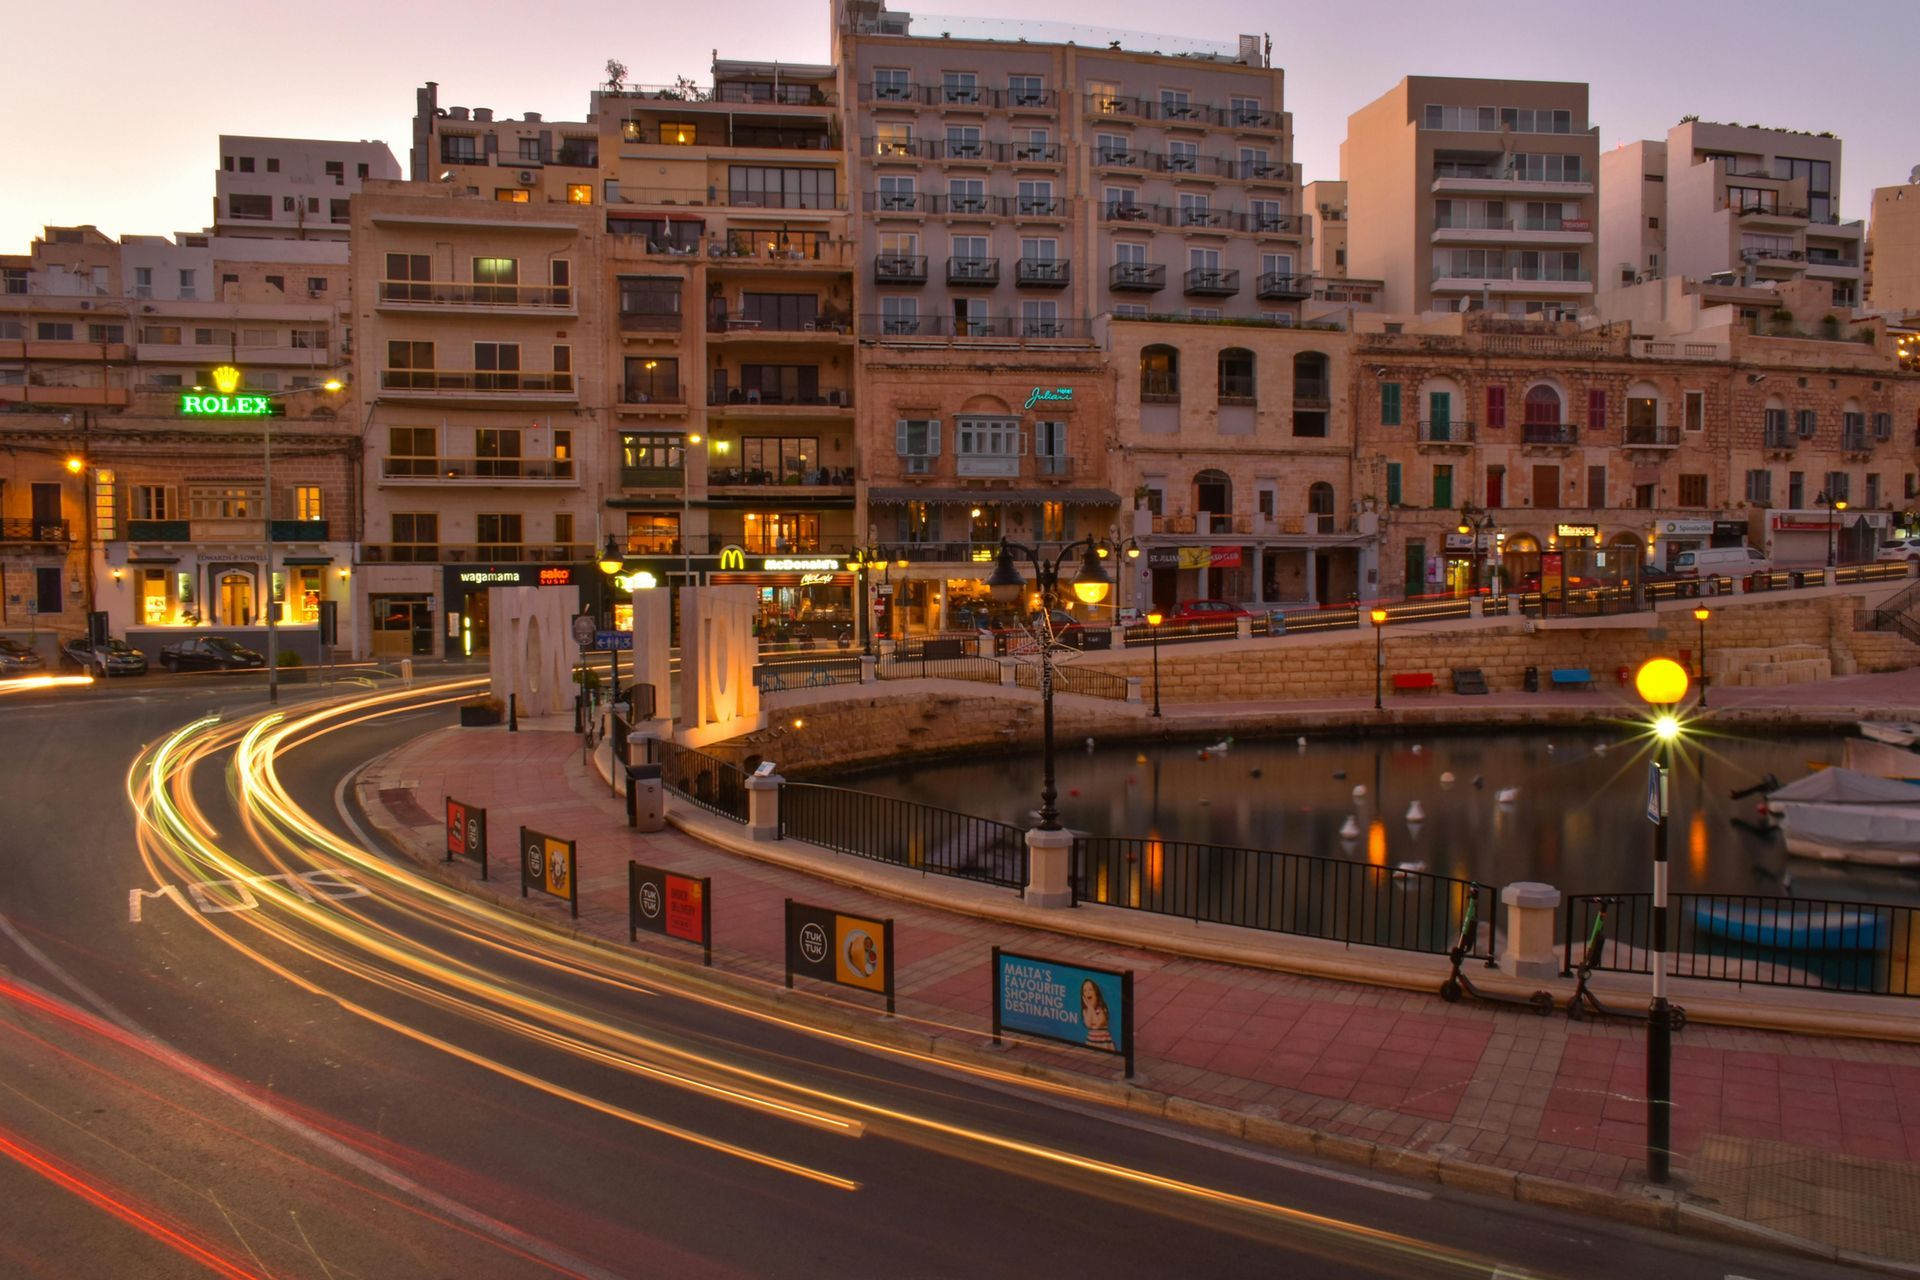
[(1661, 683), (1154, 619), (862, 561), (1832, 505), (612, 561), (1379, 618), (1700, 615), (1090, 586), (1479, 524)]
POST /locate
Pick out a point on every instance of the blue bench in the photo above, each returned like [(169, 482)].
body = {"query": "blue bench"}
[(1570, 677)]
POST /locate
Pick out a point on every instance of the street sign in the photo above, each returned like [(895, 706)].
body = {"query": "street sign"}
[(1656, 792), (547, 863), (604, 640), (850, 951), (1091, 1008), (467, 833), (664, 902)]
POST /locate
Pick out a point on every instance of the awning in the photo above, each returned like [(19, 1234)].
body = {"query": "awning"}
[(970, 497), (153, 559), (306, 560)]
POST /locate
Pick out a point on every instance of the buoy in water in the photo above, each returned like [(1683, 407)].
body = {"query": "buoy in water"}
[(1089, 744), (1350, 829), (1507, 795), (1253, 773), (1416, 748), (1339, 773), (1415, 813), (1446, 779), (1360, 791)]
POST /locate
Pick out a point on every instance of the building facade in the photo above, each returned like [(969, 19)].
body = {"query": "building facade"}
[(1474, 194), (1894, 239)]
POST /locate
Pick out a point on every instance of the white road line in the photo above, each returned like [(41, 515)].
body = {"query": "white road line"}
[(185, 1064)]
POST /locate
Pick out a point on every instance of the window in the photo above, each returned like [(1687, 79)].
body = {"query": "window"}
[(1267, 215), (1159, 374), (1236, 376), (968, 195), (1882, 426), (980, 438), (151, 502), (963, 140), (649, 302), (235, 502), (187, 285), (1542, 406), (306, 502), (1196, 211), (1246, 111), (459, 148), (118, 333), (1873, 490), (898, 192), (1104, 96), (779, 459), (784, 312), (1050, 448), (1693, 490), (213, 337), (1036, 197), (1496, 408), (891, 84), (1597, 488), (1809, 423), (892, 138), (1796, 490), (1040, 318), (651, 379), (899, 315), (1760, 486), (1596, 409), (496, 452), (1837, 488), (53, 331), (1496, 486), (960, 87), (579, 193), (1442, 486), (498, 533), (1025, 91), (1176, 104), (511, 195), (917, 438), (1393, 484), (776, 533), (1696, 411), (562, 527), (769, 187)]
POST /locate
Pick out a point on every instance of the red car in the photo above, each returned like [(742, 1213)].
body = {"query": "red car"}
[(1207, 611)]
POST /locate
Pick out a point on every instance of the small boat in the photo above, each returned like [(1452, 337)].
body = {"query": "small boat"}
[(1842, 815), (1792, 926), (1881, 759), (1895, 733)]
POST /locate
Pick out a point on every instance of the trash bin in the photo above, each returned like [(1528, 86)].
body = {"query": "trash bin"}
[(1532, 684), (646, 798)]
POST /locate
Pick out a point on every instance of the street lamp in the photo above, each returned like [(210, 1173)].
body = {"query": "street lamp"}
[(862, 561), (1090, 587), (1700, 615), (612, 561), (1154, 619), (332, 386), (1661, 683), (1379, 617), (1478, 523), (1832, 504)]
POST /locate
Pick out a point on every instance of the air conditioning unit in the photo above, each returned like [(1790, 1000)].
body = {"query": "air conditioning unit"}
[(526, 177)]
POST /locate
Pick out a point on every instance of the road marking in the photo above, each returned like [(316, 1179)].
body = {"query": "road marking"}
[(506, 1233), (329, 884)]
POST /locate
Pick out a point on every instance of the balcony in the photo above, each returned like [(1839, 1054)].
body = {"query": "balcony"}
[(1137, 277), (1650, 435), (1042, 273), (1204, 217), (1856, 441), (1766, 213), (1549, 433), (900, 268), (300, 530), (475, 553), (992, 466), (1312, 393), (1259, 170), (497, 299), (1780, 439), (825, 323), (83, 352), (44, 394), (653, 477), (983, 272), (1445, 433), (784, 403), (1053, 466), (487, 385), (482, 472), (1493, 180), (1039, 206), (1192, 164), (1462, 228), (790, 251), (898, 202), (1122, 158), (1504, 279), (961, 150), (943, 328), (1112, 104), (1237, 389), (824, 482), (652, 323), (1211, 282), (1046, 153), (42, 531), (1159, 388), (1273, 286), (1140, 214)]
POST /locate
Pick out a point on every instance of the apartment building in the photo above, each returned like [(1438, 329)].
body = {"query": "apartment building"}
[(1893, 238), (293, 188), (43, 513), (1759, 206), (1468, 194), (1327, 201), (1607, 446), (1237, 448)]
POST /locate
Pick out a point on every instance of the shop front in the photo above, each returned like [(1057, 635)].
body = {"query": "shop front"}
[(467, 632), (153, 592), (1675, 536), (800, 598)]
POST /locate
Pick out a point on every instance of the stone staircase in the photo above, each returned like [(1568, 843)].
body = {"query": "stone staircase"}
[(1769, 667)]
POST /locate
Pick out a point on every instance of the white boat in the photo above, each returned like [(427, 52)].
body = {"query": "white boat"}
[(1895, 733), (1842, 815), (1881, 759)]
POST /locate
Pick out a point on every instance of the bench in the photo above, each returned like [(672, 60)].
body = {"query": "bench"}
[(1469, 680), (1571, 677), (1414, 681)]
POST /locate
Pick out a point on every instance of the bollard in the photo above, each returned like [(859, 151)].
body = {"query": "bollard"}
[(579, 724), (406, 670), (1243, 628), (869, 669), (513, 713), (1049, 868), (1527, 950), (763, 806)]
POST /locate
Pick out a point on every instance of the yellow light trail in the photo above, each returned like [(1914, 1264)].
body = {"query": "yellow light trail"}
[(22, 684)]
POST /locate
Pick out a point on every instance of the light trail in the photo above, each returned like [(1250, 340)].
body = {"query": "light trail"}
[(22, 684), (343, 935)]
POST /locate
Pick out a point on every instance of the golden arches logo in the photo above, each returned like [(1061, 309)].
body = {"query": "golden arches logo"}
[(227, 379), (734, 558)]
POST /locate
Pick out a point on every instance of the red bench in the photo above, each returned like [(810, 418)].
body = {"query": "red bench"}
[(1414, 682)]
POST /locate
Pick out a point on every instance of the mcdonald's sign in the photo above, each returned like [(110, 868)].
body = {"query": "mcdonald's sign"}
[(733, 558)]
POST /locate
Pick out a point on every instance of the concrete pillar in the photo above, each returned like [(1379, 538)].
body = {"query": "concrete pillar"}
[(1049, 864), (1009, 672), (869, 669), (1133, 690), (406, 671), (1827, 577), (1513, 606), (1476, 608), (1243, 628), (985, 639), (1312, 577), (763, 807), (1526, 949)]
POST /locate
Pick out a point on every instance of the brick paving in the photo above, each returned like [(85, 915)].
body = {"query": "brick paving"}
[(1544, 1096)]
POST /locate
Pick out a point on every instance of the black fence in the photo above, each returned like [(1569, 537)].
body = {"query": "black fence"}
[(904, 834), (705, 780), (1301, 621), (1827, 945), (805, 671), (1356, 903), (979, 670), (1071, 679), (1142, 635)]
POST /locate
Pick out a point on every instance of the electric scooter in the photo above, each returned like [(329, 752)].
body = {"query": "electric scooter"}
[(1459, 984), (1584, 1002)]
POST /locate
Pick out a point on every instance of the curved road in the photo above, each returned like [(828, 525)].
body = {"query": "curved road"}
[(344, 1071)]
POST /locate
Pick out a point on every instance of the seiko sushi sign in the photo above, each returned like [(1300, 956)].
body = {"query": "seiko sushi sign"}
[(227, 404)]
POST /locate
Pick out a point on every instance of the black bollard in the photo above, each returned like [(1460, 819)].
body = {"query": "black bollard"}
[(513, 713)]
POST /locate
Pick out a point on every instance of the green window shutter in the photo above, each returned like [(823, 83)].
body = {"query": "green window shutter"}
[(1393, 484), (1389, 404)]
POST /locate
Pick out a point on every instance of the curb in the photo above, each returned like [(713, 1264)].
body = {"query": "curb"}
[(1650, 1208)]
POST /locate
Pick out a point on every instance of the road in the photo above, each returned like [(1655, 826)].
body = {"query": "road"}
[(364, 1076)]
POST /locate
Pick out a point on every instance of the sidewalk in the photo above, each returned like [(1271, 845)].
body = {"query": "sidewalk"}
[(1815, 1137)]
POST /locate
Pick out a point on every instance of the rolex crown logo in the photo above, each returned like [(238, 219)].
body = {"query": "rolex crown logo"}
[(227, 379)]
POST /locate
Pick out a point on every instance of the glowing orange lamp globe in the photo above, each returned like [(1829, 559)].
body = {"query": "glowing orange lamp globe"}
[(1661, 682)]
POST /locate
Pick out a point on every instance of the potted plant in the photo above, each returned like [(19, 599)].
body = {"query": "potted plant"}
[(482, 711)]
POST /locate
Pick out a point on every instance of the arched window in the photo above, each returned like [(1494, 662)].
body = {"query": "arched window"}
[(1644, 424), (1543, 406), (1213, 493), (1159, 374), (1236, 376), (1310, 384)]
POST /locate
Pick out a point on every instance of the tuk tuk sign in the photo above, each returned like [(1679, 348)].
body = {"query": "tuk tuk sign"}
[(547, 863), (849, 951), (467, 833), (667, 903)]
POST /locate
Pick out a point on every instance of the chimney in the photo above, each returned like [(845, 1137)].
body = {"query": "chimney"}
[(483, 115), (456, 113), (533, 117)]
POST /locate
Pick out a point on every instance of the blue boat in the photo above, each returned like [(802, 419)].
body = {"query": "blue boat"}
[(1792, 926)]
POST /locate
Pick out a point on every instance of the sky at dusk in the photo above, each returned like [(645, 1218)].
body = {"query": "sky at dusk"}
[(115, 109)]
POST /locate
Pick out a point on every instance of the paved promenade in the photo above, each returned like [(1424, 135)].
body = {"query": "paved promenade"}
[(1812, 1136)]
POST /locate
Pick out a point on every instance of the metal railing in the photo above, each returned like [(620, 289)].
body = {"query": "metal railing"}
[(1356, 903), (1447, 431), (980, 670), (1067, 678), (1657, 434), (1180, 632), (36, 531), (490, 380), (1549, 433), (904, 834), (1830, 945), (940, 327), (468, 294), (485, 470), (1344, 617), (701, 779), (776, 675)]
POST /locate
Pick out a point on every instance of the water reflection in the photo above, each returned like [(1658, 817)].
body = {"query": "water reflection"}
[(1578, 820)]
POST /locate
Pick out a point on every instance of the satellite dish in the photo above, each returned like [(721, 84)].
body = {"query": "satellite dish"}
[(1914, 176)]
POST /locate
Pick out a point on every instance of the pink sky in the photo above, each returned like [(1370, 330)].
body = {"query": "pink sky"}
[(117, 107)]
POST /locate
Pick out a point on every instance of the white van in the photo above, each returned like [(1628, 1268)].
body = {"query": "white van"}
[(1720, 562)]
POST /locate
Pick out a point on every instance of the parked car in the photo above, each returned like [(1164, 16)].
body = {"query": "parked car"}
[(209, 653), (1712, 563), (17, 659), (116, 657), (1899, 549), (1207, 611)]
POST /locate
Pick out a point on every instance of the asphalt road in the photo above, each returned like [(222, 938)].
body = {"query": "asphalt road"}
[(243, 1093)]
